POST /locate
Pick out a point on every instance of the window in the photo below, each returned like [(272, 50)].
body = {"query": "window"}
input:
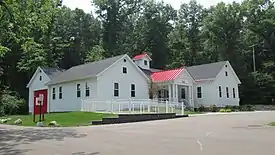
[(182, 93), (116, 89), (124, 70), (199, 92), (234, 95), (53, 94), (60, 92), (227, 93), (78, 90), (145, 62), (226, 74), (133, 90), (124, 60), (87, 90), (40, 78), (225, 65), (220, 91)]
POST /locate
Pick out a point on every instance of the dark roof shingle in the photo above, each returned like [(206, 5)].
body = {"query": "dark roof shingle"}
[(206, 71), (52, 72), (85, 70)]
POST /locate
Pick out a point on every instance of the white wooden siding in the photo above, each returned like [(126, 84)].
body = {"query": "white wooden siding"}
[(207, 89), (140, 63), (229, 81), (70, 101), (114, 75)]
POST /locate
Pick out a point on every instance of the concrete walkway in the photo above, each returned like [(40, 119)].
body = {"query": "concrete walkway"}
[(231, 134)]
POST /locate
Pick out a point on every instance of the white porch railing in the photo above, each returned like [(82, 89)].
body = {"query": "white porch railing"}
[(132, 106)]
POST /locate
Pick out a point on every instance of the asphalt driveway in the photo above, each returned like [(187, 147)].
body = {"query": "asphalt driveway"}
[(237, 134)]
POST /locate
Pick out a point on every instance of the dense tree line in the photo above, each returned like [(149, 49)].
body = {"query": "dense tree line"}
[(45, 33)]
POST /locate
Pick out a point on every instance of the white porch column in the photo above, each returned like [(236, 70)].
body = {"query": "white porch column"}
[(190, 95), (177, 93), (173, 94), (170, 92)]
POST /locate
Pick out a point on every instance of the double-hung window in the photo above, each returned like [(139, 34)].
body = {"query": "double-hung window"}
[(116, 89)]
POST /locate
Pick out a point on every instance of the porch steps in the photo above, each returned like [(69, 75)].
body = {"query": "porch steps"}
[(129, 118)]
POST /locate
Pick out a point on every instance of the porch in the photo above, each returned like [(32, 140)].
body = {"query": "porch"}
[(174, 93)]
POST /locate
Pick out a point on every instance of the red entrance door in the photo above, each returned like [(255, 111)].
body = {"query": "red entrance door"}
[(38, 95)]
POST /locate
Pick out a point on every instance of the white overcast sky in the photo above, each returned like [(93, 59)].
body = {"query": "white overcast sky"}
[(87, 7)]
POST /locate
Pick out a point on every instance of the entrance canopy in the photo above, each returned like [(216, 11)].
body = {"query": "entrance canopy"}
[(168, 75)]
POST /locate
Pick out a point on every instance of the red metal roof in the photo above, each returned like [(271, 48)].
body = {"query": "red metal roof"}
[(167, 75), (140, 56)]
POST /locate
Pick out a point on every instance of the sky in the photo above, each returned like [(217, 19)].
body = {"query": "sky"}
[(87, 7)]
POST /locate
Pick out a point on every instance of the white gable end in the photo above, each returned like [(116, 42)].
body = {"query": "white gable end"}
[(115, 74), (38, 80), (228, 82), (185, 78)]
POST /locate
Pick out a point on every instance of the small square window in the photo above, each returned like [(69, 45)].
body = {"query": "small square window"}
[(145, 62), (226, 73), (40, 78), (124, 70)]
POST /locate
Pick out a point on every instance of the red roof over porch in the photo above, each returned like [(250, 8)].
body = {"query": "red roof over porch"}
[(167, 75)]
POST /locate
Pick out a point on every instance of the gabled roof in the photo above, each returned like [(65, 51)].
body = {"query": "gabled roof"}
[(85, 71), (148, 72), (206, 71), (167, 75), (140, 56), (51, 72)]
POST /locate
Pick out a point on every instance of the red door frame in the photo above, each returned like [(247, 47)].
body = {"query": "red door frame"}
[(36, 108)]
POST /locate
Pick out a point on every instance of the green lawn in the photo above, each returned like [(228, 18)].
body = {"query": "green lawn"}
[(64, 119), (272, 124)]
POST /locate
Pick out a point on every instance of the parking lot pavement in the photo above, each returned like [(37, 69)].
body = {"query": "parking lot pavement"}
[(240, 134)]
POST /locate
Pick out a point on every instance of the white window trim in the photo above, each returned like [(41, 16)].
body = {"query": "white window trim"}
[(123, 70), (60, 92), (78, 90), (220, 92), (54, 93), (114, 89), (87, 87), (227, 92), (133, 90), (198, 92)]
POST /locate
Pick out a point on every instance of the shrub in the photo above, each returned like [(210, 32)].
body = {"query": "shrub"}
[(227, 110), (222, 110), (213, 108), (247, 108), (235, 108), (250, 108), (11, 104), (202, 108)]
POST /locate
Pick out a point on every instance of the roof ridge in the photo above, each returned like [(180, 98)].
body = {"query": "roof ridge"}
[(105, 59), (207, 63), (169, 70)]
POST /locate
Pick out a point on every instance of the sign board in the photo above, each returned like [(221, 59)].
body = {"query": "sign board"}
[(39, 100)]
